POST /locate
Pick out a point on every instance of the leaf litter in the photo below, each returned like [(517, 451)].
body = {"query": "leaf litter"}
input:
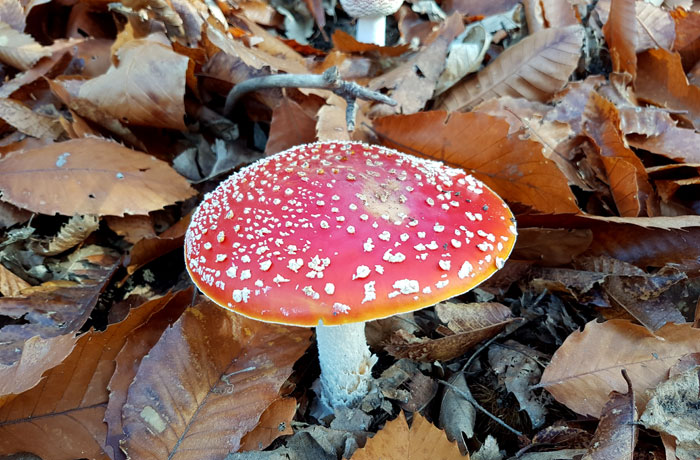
[(582, 115)]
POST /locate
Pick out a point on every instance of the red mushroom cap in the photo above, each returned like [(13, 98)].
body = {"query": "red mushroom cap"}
[(343, 232)]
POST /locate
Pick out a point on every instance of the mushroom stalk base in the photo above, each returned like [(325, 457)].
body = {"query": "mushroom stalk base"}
[(346, 364), (371, 29)]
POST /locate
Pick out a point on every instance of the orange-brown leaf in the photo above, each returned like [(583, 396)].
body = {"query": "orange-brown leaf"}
[(587, 366), (481, 144), (206, 383), (535, 68), (164, 312), (62, 417), (621, 35), (146, 88), (423, 441), (627, 177), (616, 435), (276, 421), (661, 81), (89, 176)]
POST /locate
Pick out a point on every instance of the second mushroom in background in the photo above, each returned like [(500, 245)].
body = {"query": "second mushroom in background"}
[(371, 18)]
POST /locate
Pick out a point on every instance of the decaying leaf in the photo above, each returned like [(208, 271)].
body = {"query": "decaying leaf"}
[(72, 233), (662, 81), (616, 435), (212, 366), (413, 83), (18, 49), (147, 87), (674, 410), (468, 325), (10, 284), (590, 362), (28, 121), (276, 421), (164, 312), (535, 68), (457, 415), (621, 35), (518, 369), (62, 417), (513, 167), (89, 176), (423, 441)]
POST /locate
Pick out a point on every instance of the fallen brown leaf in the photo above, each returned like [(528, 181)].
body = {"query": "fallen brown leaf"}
[(661, 81), (673, 410), (211, 367), (10, 284), (276, 421), (513, 167), (423, 441), (146, 88), (62, 417), (89, 176), (589, 362), (534, 68), (164, 312), (616, 435), (621, 36)]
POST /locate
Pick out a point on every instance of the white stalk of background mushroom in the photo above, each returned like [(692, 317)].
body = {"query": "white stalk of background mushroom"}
[(371, 18)]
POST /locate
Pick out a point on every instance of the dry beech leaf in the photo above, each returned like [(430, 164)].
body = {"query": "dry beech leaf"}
[(457, 414), (534, 68), (625, 172), (470, 324), (291, 125), (12, 13), (346, 43), (152, 247), (164, 312), (674, 411), (423, 441), (621, 35), (655, 27), (633, 239), (146, 88), (661, 81), (10, 284), (29, 122), (37, 355), (60, 306), (481, 144), (62, 417), (210, 368), (72, 233), (551, 246), (132, 228), (18, 49), (89, 176), (616, 435), (276, 421), (589, 362), (413, 83)]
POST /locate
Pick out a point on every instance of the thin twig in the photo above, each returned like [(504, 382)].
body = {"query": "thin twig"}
[(330, 80), (471, 399)]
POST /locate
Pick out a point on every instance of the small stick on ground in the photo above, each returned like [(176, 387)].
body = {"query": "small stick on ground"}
[(330, 80), (473, 401)]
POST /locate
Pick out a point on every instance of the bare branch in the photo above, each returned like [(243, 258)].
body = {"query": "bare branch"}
[(330, 80)]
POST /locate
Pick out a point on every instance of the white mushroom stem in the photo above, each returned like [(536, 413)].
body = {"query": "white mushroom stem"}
[(346, 363), (371, 29)]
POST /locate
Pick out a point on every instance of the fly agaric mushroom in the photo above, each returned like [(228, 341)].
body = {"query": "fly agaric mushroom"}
[(371, 18), (334, 234)]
